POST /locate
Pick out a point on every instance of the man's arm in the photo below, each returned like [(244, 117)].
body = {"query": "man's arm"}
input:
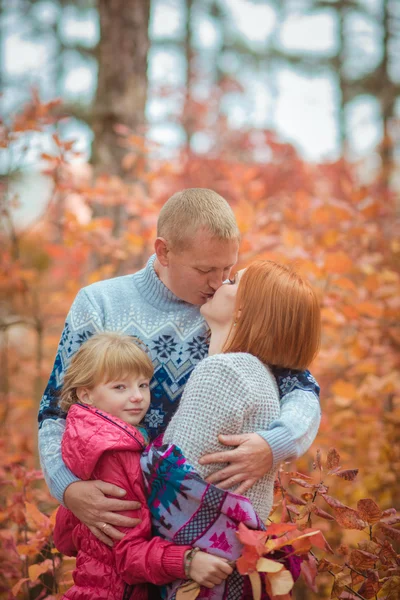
[(83, 320), (288, 437), (292, 434), (89, 501)]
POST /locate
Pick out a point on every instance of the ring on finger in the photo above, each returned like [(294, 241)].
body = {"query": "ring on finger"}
[(104, 526)]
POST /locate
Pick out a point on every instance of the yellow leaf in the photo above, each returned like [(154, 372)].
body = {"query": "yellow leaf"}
[(188, 591), (281, 583), (35, 571), (255, 585), (265, 565), (17, 586), (344, 389)]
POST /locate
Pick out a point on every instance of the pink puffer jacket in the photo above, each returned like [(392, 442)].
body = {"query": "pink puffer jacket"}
[(98, 446)]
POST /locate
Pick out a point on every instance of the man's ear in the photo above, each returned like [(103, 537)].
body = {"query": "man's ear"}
[(161, 248), (83, 395)]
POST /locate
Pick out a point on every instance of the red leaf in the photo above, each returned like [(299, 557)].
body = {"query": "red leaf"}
[(309, 572), (302, 483), (333, 502), (333, 459), (347, 474), (369, 511), (279, 528), (349, 518)]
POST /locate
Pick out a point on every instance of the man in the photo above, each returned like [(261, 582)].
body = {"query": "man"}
[(196, 247)]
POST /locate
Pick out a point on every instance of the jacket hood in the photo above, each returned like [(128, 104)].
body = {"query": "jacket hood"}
[(89, 433)]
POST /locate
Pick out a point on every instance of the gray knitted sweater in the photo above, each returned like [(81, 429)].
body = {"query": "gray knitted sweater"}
[(230, 394)]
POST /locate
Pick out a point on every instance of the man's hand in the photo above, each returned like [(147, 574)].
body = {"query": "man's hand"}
[(87, 500), (251, 460)]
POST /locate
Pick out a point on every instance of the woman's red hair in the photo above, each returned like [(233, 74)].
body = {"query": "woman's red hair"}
[(277, 317)]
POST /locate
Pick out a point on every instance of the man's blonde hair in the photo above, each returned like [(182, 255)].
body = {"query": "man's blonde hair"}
[(191, 210), (104, 357)]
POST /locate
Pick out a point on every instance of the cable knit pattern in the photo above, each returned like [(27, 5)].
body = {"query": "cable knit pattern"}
[(230, 394)]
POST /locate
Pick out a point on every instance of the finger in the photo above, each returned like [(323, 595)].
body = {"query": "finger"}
[(226, 473), (226, 484), (245, 486), (227, 569), (218, 457), (110, 489), (110, 505), (110, 531), (208, 584), (101, 536), (119, 520), (232, 440)]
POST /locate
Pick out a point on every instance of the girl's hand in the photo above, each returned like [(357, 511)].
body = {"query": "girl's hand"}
[(209, 570)]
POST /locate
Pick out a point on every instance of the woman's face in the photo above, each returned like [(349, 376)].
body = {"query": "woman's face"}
[(219, 310)]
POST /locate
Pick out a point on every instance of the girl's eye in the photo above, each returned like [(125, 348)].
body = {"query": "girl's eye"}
[(119, 387), (144, 385)]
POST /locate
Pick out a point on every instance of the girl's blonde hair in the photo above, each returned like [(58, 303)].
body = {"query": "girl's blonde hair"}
[(104, 357), (277, 317)]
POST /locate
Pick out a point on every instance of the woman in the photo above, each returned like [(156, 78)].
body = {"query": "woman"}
[(266, 319)]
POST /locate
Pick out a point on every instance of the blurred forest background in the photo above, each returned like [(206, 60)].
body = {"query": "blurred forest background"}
[(289, 109)]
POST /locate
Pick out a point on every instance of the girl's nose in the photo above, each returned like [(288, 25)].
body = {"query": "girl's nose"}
[(136, 397)]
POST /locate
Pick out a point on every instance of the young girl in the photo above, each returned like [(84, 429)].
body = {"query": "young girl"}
[(106, 395)]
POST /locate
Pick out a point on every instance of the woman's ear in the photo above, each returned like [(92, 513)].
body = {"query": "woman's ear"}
[(83, 395)]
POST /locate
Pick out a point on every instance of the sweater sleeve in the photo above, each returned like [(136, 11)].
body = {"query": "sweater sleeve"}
[(83, 320), (292, 434), (140, 557)]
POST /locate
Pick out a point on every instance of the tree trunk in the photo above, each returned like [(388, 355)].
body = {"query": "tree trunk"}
[(122, 79)]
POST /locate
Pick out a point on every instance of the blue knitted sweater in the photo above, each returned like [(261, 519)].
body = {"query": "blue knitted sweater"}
[(175, 333)]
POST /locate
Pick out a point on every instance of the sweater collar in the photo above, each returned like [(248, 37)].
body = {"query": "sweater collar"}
[(154, 291)]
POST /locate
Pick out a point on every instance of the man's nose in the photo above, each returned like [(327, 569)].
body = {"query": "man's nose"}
[(216, 280)]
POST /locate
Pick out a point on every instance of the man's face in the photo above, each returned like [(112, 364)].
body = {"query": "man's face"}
[(195, 273)]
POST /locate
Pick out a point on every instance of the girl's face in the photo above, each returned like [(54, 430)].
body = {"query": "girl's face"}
[(219, 310), (128, 398)]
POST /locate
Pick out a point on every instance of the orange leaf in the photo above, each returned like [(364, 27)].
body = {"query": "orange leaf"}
[(338, 263), (279, 528), (346, 390), (369, 309)]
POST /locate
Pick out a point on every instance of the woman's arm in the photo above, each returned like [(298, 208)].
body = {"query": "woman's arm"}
[(141, 558)]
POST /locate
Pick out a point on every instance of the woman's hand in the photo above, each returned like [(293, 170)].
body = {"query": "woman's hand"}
[(209, 570), (89, 503), (251, 460)]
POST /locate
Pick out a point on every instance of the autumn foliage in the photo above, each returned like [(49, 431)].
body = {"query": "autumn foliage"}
[(343, 234)]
